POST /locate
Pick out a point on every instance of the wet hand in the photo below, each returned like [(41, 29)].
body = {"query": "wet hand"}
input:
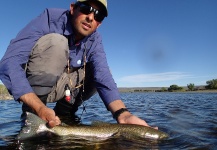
[(128, 118), (49, 115)]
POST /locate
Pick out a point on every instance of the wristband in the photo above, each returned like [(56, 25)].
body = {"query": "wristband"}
[(119, 112)]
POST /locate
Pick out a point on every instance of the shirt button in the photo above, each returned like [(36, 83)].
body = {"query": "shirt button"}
[(79, 62)]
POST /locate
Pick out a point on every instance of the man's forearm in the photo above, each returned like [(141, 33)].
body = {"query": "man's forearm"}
[(117, 105), (32, 100), (47, 114)]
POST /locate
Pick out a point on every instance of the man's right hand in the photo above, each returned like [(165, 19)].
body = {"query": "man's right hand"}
[(45, 113), (49, 115)]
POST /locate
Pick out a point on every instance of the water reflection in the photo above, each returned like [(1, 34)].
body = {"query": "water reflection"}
[(70, 142)]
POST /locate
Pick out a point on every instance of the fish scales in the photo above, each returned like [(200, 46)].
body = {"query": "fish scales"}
[(84, 131)]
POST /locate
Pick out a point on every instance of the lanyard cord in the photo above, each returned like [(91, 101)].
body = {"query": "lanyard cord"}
[(85, 60), (84, 73)]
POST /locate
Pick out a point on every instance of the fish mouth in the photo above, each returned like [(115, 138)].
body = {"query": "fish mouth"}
[(152, 136), (164, 136), (156, 136)]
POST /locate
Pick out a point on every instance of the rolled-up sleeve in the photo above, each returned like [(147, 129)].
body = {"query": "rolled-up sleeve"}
[(104, 81)]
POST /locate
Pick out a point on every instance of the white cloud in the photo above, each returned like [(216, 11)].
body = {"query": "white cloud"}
[(156, 77)]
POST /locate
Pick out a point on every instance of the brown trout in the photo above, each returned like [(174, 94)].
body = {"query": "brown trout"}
[(35, 126)]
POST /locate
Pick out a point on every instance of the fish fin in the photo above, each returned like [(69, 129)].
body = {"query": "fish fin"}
[(100, 123), (31, 126)]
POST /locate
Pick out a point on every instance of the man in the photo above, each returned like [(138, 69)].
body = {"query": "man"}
[(59, 57)]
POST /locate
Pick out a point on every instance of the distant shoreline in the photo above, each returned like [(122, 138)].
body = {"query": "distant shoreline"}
[(197, 89), (131, 90)]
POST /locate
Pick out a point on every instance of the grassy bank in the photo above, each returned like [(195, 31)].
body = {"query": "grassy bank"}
[(6, 97)]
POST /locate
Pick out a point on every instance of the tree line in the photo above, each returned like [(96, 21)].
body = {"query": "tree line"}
[(211, 85)]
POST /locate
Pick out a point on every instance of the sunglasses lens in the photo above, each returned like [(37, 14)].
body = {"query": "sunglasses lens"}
[(85, 9), (99, 17)]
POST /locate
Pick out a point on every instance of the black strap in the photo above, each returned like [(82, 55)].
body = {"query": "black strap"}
[(119, 112)]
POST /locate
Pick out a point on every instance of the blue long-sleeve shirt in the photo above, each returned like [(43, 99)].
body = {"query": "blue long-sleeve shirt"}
[(12, 72)]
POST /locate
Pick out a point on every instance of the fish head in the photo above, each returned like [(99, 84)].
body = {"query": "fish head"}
[(156, 135), (163, 136)]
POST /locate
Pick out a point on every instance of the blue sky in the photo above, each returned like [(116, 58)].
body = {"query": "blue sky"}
[(149, 43)]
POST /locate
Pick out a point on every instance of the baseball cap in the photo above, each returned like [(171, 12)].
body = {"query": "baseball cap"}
[(103, 2)]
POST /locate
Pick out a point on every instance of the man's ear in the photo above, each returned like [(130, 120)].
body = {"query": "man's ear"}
[(99, 24), (72, 7)]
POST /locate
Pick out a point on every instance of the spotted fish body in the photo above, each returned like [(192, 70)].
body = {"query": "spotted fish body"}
[(35, 126)]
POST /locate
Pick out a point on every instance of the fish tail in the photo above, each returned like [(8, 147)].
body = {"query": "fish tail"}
[(31, 127)]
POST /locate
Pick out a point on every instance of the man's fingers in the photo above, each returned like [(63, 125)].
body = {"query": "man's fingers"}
[(49, 115), (55, 122), (51, 124)]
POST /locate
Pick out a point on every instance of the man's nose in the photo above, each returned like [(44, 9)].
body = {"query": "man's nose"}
[(90, 16)]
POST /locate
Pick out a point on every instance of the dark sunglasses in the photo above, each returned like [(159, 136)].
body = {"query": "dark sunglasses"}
[(86, 9)]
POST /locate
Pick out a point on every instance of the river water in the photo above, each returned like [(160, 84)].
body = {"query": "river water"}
[(189, 118)]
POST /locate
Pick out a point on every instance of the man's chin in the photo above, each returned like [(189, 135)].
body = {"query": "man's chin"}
[(83, 33)]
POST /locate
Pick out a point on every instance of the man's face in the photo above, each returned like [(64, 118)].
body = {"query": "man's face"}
[(83, 25)]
